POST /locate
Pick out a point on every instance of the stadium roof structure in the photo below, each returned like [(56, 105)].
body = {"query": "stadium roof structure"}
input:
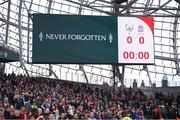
[(16, 31)]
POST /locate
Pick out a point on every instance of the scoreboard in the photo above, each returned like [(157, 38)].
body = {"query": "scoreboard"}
[(76, 39), (135, 40)]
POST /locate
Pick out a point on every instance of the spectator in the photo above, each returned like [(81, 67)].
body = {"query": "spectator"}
[(16, 114), (46, 114), (2, 114), (126, 116), (7, 113), (6, 101), (34, 113), (40, 114), (51, 116), (62, 116), (18, 102), (23, 114)]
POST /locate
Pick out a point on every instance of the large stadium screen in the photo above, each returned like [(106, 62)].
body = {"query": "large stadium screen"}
[(73, 39)]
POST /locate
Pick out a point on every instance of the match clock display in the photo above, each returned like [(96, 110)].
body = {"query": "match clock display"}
[(135, 40)]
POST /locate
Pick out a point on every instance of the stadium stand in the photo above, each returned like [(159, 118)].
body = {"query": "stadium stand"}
[(49, 91), (45, 99)]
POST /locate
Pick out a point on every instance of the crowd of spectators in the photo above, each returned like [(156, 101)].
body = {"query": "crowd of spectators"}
[(25, 98)]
